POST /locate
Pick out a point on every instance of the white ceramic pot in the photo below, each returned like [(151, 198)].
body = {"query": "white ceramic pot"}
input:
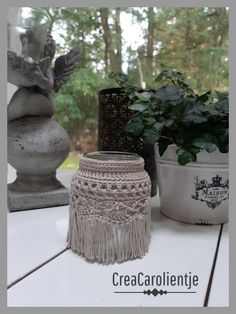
[(196, 193)]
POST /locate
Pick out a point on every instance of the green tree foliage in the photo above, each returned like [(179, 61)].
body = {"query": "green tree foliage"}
[(189, 40), (194, 40)]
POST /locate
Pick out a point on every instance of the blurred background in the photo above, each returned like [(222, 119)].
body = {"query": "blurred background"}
[(136, 41)]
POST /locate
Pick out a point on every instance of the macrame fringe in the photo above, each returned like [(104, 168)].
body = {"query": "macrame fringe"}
[(106, 243)]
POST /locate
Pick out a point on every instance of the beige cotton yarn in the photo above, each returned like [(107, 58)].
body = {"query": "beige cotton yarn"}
[(110, 207)]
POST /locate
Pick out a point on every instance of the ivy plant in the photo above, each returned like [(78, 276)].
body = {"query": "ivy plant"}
[(175, 114)]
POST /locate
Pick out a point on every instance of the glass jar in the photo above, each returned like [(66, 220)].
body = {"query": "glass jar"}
[(110, 207), (27, 31)]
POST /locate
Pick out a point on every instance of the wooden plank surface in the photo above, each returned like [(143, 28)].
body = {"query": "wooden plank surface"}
[(35, 235), (69, 280), (219, 295)]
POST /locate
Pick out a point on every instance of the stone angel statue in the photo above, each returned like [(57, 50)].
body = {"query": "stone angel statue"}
[(37, 144), (25, 72)]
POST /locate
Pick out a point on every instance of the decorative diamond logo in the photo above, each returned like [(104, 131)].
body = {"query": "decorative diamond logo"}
[(154, 292), (213, 193)]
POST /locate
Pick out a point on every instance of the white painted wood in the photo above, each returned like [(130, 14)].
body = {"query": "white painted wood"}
[(33, 237), (219, 296), (69, 280)]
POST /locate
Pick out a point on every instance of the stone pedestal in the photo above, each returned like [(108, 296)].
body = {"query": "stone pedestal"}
[(31, 200), (37, 145)]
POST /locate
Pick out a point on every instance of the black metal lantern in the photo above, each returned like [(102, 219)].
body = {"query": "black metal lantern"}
[(113, 116)]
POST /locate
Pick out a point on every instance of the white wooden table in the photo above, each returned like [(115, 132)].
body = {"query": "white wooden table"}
[(43, 272)]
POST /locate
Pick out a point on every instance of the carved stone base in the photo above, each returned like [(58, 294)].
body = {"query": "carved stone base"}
[(32, 200), (36, 148)]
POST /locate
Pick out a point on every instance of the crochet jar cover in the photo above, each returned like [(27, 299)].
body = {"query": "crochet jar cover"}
[(110, 210)]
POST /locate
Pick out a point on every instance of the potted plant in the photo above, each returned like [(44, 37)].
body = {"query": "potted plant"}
[(191, 136)]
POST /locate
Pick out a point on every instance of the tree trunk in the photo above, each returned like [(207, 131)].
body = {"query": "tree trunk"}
[(188, 41), (188, 29), (118, 41), (105, 27), (109, 55), (52, 18), (82, 51), (150, 40), (140, 72)]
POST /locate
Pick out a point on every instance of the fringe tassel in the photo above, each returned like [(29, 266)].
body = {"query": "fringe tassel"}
[(107, 243)]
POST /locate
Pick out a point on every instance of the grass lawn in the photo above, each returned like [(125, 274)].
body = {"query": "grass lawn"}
[(72, 161)]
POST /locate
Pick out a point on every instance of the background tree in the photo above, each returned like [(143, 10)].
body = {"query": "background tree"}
[(190, 40)]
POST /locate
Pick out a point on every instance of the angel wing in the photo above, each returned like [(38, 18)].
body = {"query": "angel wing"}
[(24, 72), (64, 66)]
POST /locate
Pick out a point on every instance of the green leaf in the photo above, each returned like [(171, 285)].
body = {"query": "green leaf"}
[(163, 143), (179, 138), (195, 118), (195, 113), (184, 156), (223, 140), (204, 97), (194, 151), (120, 78), (207, 109), (158, 126), (130, 90), (162, 148), (144, 96), (222, 95), (212, 112), (189, 90), (138, 106), (159, 78), (194, 157), (168, 122), (135, 126), (182, 83), (149, 121), (222, 105), (207, 142), (152, 134), (171, 93), (224, 149), (202, 107), (169, 75)]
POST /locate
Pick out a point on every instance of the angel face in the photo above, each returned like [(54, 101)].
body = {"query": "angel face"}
[(33, 42), (30, 45)]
